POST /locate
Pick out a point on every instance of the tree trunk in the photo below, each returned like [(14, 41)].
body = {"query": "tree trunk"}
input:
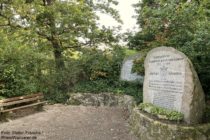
[(59, 61)]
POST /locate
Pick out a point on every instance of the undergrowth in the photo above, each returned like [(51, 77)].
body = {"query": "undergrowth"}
[(117, 87)]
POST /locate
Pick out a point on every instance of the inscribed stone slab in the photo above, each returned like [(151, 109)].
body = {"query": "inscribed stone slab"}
[(171, 82)]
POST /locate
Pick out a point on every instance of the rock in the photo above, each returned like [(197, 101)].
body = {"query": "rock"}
[(127, 102), (102, 99), (148, 128), (171, 82)]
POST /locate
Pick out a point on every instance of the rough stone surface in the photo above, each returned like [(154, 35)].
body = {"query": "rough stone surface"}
[(147, 128), (64, 122), (102, 99), (171, 82), (126, 70)]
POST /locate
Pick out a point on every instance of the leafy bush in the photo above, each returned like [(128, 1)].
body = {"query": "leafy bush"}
[(18, 72), (56, 83), (138, 66), (25, 70), (99, 64), (198, 50), (117, 87), (102, 71), (161, 113)]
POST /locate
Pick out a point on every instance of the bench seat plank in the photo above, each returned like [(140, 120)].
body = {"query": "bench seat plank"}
[(8, 110), (20, 98), (21, 101)]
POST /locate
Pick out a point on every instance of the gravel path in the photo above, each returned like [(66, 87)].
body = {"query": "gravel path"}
[(60, 122)]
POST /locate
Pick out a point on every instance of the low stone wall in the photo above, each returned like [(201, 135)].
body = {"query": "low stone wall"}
[(147, 128), (102, 99)]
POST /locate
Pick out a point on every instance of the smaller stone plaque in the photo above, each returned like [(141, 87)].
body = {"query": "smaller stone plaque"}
[(172, 83), (126, 70)]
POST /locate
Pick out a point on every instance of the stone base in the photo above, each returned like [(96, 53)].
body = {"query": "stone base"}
[(102, 99), (148, 128)]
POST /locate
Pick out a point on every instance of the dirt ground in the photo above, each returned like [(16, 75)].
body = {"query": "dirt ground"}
[(60, 122)]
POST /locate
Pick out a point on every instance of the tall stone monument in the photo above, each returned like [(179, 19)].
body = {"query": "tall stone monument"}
[(172, 83)]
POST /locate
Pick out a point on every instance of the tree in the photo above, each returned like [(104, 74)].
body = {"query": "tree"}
[(60, 24)]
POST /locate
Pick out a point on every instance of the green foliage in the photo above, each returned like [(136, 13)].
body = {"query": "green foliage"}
[(207, 114), (17, 76), (99, 64), (24, 70), (161, 113), (183, 25), (38, 39), (129, 52), (138, 65), (56, 24), (117, 87), (56, 84), (101, 71)]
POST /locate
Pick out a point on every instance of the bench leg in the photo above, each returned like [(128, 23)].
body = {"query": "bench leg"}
[(40, 107), (4, 116)]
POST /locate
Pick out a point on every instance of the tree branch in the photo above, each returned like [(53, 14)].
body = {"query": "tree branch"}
[(4, 25), (44, 35), (77, 45)]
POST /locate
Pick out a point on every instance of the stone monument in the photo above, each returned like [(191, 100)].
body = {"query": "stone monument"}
[(126, 70), (171, 82)]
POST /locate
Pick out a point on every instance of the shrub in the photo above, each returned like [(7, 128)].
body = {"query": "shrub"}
[(117, 87), (56, 83), (99, 64), (102, 71), (25, 70), (161, 113), (18, 72)]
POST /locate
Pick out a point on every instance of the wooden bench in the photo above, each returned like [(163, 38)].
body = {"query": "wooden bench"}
[(15, 103)]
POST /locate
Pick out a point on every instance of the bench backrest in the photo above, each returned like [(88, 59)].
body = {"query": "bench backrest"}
[(21, 99)]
